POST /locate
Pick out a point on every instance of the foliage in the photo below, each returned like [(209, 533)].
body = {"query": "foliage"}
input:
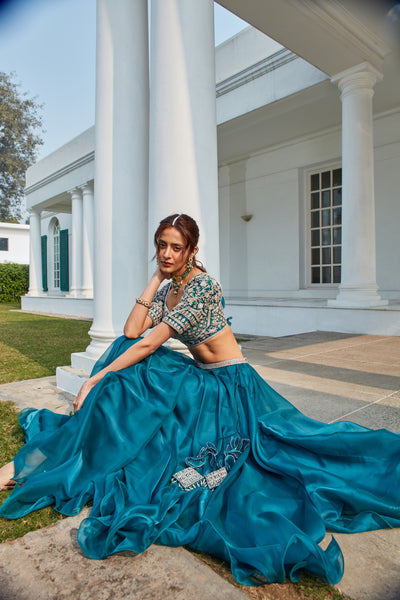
[(10, 442), (35, 345), (19, 139), (14, 281)]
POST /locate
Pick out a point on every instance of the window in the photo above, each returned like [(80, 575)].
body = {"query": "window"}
[(325, 193), (56, 254), (4, 244)]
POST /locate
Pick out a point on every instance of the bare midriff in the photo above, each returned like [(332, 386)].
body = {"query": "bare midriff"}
[(220, 347)]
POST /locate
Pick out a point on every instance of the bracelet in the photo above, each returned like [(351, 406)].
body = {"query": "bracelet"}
[(144, 302)]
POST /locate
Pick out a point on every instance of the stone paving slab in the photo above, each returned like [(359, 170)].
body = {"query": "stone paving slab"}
[(48, 565), (372, 564), (37, 393), (323, 381)]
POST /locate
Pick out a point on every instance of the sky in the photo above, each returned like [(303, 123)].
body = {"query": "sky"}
[(50, 46)]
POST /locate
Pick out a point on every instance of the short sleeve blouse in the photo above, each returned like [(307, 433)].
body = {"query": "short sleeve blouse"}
[(199, 314)]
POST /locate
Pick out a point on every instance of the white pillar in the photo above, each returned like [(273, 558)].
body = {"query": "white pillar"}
[(121, 166), (358, 286), (77, 245), (183, 134), (87, 250), (35, 255)]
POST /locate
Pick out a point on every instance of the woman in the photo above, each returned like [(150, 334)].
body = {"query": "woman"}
[(201, 452)]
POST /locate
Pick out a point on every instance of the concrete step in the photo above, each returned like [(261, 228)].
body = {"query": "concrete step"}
[(70, 379)]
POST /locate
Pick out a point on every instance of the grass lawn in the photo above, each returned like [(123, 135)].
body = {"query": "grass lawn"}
[(10, 442), (33, 346)]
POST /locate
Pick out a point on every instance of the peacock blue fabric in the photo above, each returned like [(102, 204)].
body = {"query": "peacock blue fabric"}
[(174, 454)]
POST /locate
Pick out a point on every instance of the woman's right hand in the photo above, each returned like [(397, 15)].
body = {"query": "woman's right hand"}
[(159, 275)]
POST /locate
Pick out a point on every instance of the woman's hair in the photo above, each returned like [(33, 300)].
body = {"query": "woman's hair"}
[(188, 229)]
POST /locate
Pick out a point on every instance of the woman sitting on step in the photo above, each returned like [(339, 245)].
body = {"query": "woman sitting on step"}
[(201, 451)]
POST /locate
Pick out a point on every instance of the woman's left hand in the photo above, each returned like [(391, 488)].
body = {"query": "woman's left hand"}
[(83, 392)]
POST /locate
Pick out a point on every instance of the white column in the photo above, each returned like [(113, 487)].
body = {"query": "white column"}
[(35, 255), (77, 245), (121, 166), (358, 286), (183, 134), (87, 256)]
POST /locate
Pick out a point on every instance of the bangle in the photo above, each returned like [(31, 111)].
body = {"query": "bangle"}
[(143, 302)]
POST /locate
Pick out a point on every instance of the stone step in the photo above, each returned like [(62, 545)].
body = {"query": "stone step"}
[(70, 379)]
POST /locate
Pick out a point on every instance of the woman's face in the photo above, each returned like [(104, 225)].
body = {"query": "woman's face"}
[(172, 254)]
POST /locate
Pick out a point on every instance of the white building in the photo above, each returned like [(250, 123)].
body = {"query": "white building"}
[(298, 203), (59, 194), (14, 243)]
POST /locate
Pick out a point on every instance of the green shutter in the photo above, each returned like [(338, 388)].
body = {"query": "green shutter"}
[(44, 262), (64, 270)]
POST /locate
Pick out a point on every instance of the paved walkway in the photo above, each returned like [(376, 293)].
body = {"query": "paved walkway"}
[(329, 376)]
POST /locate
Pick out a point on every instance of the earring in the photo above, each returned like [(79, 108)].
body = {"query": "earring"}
[(190, 262)]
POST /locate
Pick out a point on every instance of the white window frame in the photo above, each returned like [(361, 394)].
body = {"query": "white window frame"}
[(56, 254), (307, 220)]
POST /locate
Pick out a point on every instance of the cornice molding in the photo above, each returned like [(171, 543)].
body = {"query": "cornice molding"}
[(347, 28), (80, 162), (258, 69)]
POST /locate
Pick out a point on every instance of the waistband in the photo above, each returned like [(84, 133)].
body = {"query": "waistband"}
[(222, 363)]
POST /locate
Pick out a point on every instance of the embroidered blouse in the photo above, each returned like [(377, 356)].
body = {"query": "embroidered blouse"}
[(199, 314)]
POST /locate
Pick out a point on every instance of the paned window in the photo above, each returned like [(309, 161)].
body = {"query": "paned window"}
[(326, 226), (4, 244), (56, 254)]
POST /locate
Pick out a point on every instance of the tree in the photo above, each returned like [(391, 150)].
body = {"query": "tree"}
[(20, 125)]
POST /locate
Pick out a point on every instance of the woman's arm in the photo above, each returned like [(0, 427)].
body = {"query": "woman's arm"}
[(138, 320), (133, 355)]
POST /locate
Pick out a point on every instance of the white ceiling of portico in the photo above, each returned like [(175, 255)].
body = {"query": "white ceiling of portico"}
[(332, 35)]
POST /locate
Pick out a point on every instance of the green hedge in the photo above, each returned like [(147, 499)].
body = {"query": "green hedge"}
[(14, 281)]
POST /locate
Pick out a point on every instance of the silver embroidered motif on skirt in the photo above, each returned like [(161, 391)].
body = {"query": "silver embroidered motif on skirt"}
[(215, 478), (190, 478)]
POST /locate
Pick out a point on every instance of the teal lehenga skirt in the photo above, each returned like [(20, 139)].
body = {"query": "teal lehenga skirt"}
[(213, 458)]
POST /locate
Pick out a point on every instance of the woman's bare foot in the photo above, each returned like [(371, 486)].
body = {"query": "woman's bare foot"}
[(6, 474)]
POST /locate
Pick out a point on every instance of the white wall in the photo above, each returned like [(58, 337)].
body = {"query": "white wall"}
[(269, 253), (18, 243), (246, 48), (49, 179), (387, 200), (253, 70), (274, 85), (268, 187)]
